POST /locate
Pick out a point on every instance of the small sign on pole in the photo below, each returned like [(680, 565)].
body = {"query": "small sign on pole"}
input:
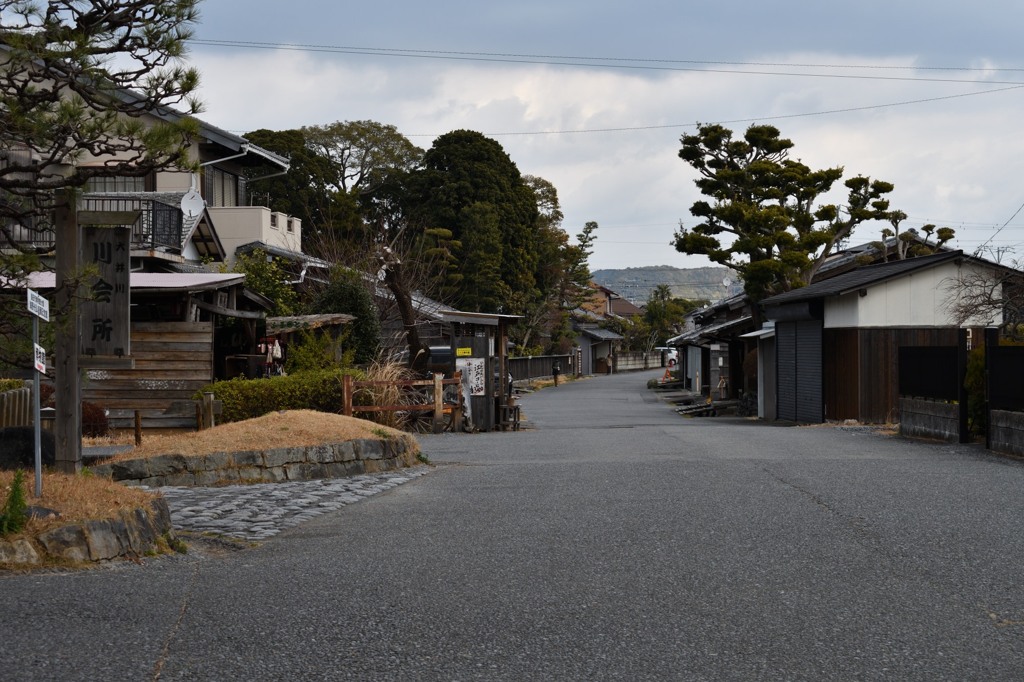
[(38, 306)]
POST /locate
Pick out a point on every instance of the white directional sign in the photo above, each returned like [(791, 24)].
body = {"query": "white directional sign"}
[(38, 306), (40, 356)]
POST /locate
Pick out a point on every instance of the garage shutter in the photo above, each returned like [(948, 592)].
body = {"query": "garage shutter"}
[(798, 349), (809, 397), (785, 350)]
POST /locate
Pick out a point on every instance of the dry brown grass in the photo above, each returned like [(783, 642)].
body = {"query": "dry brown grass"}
[(75, 498), (83, 497), (294, 428)]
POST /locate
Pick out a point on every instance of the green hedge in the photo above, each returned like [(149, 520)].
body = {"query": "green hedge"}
[(250, 398), (11, 384)]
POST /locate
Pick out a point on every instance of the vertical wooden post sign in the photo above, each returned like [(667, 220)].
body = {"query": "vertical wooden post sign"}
[(105, 317)]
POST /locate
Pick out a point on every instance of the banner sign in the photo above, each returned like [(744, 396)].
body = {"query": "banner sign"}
[(474, 373)]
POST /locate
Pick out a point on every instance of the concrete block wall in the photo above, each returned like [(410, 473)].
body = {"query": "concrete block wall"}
[(1006, 432), (921, 418)]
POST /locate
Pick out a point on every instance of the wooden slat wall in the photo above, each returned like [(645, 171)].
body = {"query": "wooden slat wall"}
[(172, 361), (841, 386), (879, 370)]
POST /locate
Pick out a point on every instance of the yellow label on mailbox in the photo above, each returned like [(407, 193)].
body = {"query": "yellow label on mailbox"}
[(463, 352)]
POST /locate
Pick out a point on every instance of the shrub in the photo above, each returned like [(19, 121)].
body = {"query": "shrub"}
[(11, 384), (94, 418), (14, 514), (318, 350), (250, 398)]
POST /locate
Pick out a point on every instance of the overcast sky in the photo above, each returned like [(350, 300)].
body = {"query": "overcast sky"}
[(594, 96)]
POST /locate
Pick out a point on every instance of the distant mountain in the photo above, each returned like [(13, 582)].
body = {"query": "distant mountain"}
[(636, 284)]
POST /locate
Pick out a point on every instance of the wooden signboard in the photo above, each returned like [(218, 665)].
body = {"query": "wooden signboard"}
[(104, 317)]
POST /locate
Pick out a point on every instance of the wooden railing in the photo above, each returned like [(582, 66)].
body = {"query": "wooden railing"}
[(443, 411)]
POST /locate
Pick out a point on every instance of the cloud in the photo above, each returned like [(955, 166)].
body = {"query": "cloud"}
[(953, 161)]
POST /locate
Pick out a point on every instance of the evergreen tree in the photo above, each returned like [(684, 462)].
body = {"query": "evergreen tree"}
[(347, 292), (466, 169), (765, 203), (331, 220), (81, 81)]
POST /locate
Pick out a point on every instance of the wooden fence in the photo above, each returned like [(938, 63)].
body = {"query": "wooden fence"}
[(444, 409), (16, 407), (538, 366)]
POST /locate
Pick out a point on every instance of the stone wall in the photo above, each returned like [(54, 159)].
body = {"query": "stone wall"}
[(334, 460), (1006, 432), (921, 418), (135, 532)]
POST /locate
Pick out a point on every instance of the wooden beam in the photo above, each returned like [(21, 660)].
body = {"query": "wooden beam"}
[(230, 312), (106, 362)]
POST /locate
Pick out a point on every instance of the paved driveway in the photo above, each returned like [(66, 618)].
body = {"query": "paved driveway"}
[(612, 540)]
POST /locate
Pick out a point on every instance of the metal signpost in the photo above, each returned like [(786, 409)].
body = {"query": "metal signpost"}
[(40, 309)]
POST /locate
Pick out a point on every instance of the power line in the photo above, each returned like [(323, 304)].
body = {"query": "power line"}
[(626, 62), (484, 56), (993, 236), (846, 110), (657, 65)]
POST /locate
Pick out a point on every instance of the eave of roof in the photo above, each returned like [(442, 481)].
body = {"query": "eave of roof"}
[(155, 281), (491, 319), (280, 252), (710, 332), (291, 323)]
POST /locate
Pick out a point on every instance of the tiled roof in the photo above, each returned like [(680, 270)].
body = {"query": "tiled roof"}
[(867, 275), (709, 332), (600, 334)]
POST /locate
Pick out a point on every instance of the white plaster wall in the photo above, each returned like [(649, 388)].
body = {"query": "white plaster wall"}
[(919, 299), (238, 225)]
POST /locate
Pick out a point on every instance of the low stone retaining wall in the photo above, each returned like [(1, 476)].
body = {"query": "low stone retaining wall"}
[(920, 418), (135, 533), (1006, 432), (335, 460), (138, 532)]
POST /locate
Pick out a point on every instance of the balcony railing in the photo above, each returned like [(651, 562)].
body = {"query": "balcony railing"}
[(158, 226)]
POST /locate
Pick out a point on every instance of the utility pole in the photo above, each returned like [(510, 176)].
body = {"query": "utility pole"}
[(68, 383)]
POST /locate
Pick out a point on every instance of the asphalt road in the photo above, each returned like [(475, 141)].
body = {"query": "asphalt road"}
[(613, 540)]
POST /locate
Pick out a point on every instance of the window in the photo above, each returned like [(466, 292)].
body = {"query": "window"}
[(273, 220), (118, 183), (291, 226), (222, 188)]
